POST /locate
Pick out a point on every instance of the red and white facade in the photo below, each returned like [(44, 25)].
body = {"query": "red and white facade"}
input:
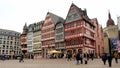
[(48, 33), (79, 31)]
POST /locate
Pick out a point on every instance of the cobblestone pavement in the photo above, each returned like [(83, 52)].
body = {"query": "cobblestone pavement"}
[(55, 63)]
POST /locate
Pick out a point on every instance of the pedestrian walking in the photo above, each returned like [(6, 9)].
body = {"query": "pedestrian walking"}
[(109, 60), (81, 58), (116, 57), (21, 58), (69, 56), (32, 56), (77, 58), (92, 56), (73, 56), (86, 58), (104, 58)]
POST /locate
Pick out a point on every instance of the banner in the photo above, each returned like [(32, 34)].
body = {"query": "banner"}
[(118, 47), (113, 43)]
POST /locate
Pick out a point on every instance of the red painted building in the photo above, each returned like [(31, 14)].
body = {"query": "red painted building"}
[(79, 31), (23, 41), (99, 48), (48, 33)]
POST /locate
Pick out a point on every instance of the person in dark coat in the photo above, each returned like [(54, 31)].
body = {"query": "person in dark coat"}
[(92, 56), (21, 58), (77, 58), (86, 58), (104, 58), (69, 55), (62, 55), (109, 59)]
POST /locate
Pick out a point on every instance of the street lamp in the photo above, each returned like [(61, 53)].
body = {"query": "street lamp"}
[(109, 45)]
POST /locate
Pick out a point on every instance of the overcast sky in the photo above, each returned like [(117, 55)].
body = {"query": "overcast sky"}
[(14, 13)]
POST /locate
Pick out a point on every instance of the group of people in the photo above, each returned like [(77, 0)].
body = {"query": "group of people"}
[(109, 57), (79, 57), (83, 58), (4, 57)]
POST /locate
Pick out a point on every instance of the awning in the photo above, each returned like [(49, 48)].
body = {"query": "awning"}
[(54, 51)]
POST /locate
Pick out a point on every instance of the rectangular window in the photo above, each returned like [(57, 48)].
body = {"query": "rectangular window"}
[(69, 17), (75, 15), (78, 23), (74, 24), (87, 32), (11, 38), (0, 41), (92, 34)]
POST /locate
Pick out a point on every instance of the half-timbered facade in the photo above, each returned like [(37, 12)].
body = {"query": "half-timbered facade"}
[(48, 33), (79, 31)]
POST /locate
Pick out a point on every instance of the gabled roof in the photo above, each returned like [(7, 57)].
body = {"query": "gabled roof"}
[(39, 24), (55, 18), (6, 31), (82, 13), (30, 27)]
